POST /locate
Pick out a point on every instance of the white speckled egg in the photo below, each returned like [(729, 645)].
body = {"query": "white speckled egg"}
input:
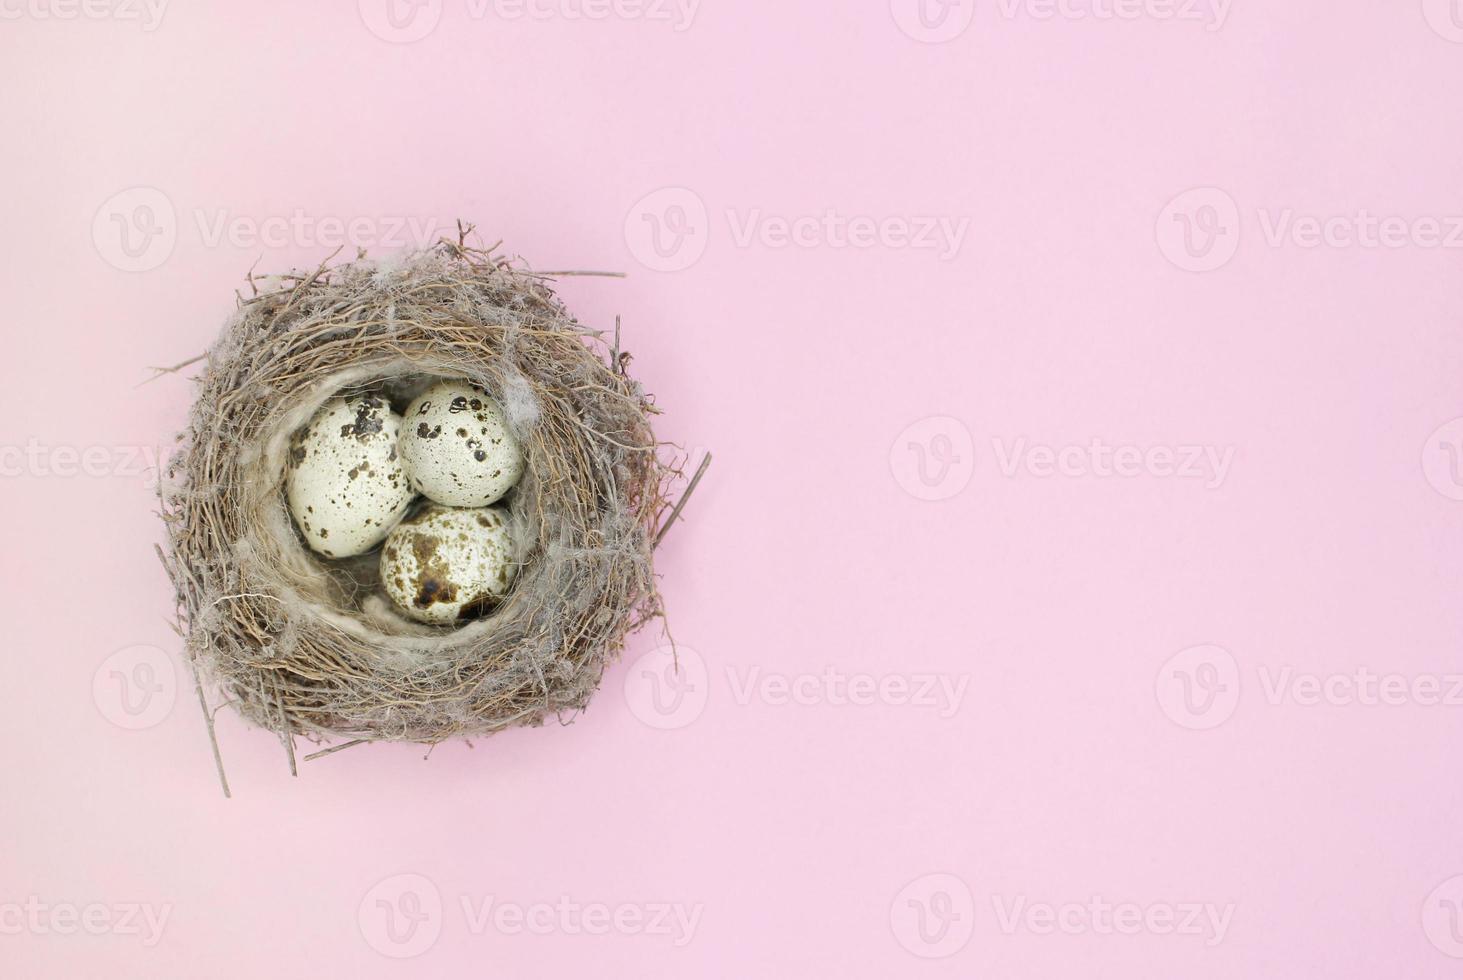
[(346, 486), (448, 561), (457, 446)]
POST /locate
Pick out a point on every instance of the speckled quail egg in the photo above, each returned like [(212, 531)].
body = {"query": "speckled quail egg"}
[(448, 562), (457, 446), (346, 486)]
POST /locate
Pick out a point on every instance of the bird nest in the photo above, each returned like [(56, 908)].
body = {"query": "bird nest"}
[(311, 647)]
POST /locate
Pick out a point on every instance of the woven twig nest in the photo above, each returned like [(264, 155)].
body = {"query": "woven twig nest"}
[(307, 646)]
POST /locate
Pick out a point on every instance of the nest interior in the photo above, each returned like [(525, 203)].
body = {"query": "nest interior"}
[(303, 645)]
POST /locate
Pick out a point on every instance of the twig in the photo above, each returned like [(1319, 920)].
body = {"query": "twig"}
[(252, 284), (676, 511), (284, 731), (336, 748), (307, 283), (218, 760), (579, 272), (158, 372)]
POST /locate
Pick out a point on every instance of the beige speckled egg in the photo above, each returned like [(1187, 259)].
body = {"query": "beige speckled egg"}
[(448, 562), (457, 446), (345, 485)]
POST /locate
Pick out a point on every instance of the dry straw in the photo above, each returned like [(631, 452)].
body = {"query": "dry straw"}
[(311, 648)]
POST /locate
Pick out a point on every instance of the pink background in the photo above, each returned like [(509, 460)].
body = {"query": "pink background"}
[(1076, 764)]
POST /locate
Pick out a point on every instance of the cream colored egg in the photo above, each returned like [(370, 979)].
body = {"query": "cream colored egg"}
[(448, 562), (457, 446), (346, 486)]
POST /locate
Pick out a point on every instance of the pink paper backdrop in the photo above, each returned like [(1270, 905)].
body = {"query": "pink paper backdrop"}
[(1076, 588)]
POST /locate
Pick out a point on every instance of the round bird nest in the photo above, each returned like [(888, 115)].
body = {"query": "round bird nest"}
[(307, 646)]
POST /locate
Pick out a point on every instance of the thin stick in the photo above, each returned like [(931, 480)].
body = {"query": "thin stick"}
[(252, 284), (615, 353), (676, 511), (218, 760), (581, 272), (307, 283), (336, 748), (284, 731), (158, 372)]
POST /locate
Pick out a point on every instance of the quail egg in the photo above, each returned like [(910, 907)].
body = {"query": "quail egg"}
[(346, 487), (457, 446), (448, 562)]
